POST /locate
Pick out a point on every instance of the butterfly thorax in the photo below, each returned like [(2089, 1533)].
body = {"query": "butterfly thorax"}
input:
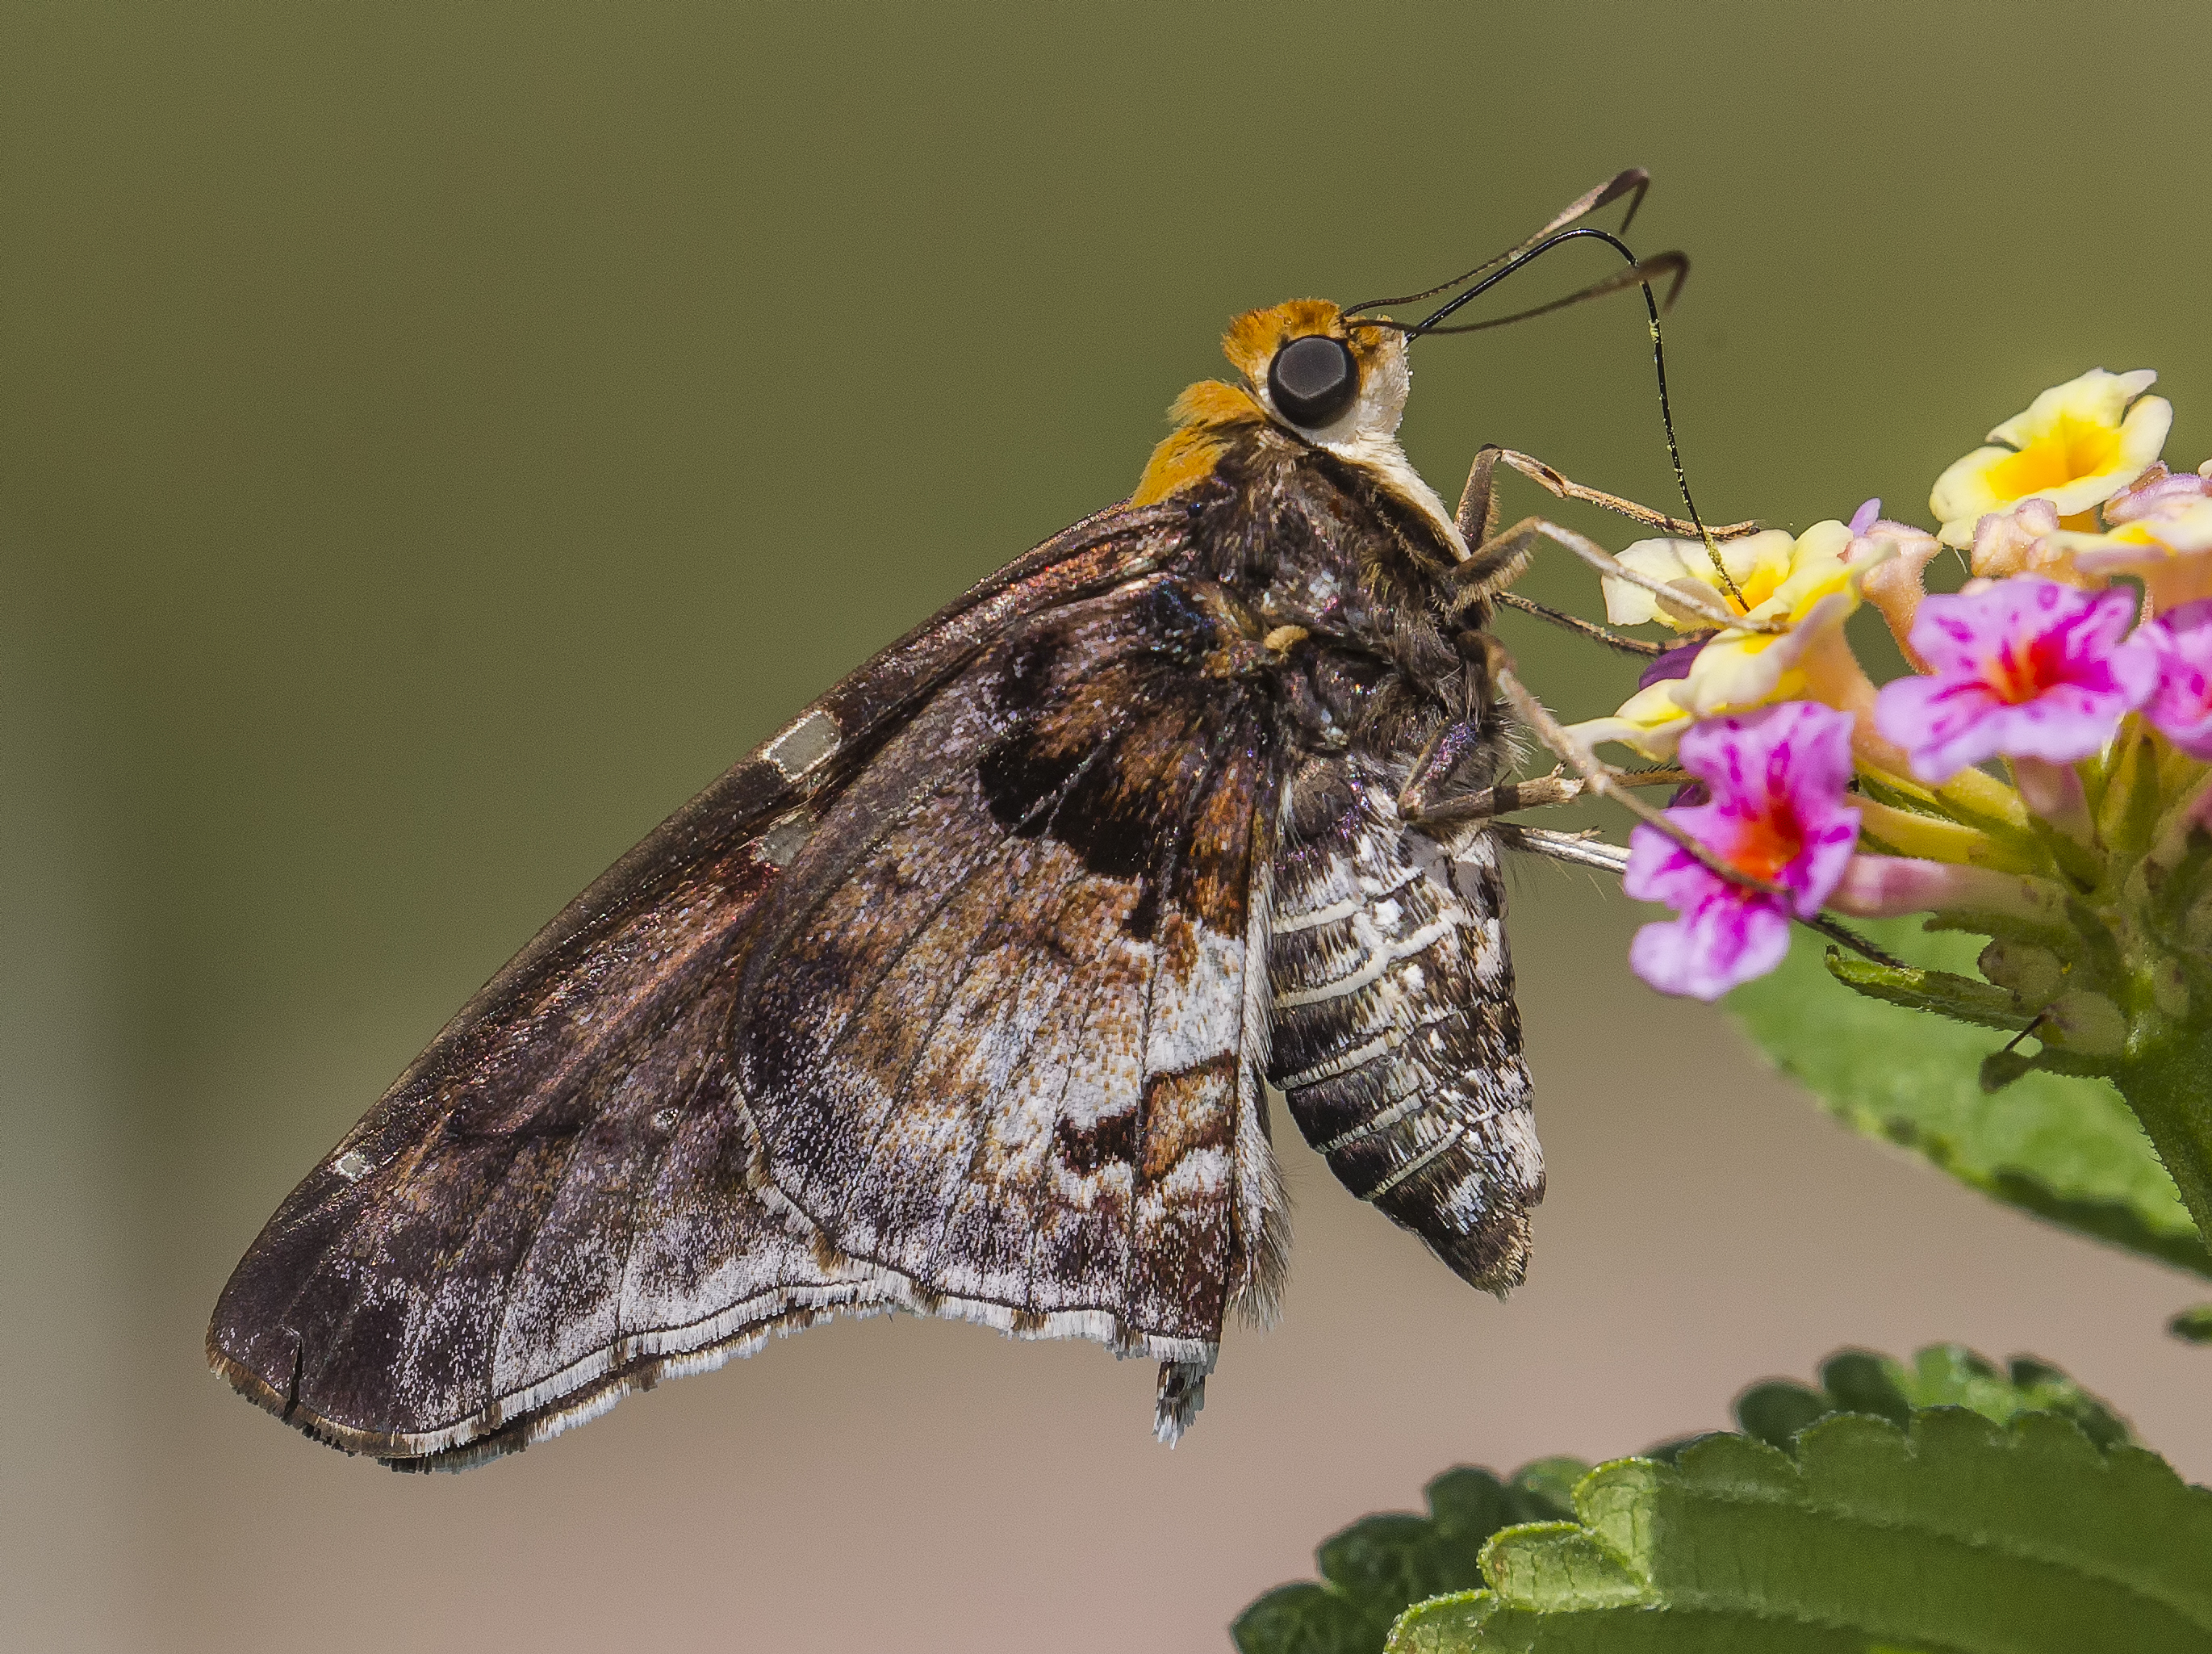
[(1324, 535)]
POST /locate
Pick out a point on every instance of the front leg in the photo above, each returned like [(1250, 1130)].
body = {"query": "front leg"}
[(1440, 759), (1496, 560), (1431, 812), (1564, 488)]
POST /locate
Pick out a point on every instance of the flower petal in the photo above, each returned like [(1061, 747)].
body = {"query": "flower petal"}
[(2180, 707), (2022, 667), (1716, 945), (2076, 445)]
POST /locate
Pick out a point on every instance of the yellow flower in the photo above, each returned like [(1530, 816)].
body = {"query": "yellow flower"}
[(1757, 564), (2078, 445), (1813, 583), (1650, 722)]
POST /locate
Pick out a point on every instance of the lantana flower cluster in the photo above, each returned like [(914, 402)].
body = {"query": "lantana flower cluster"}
[(2039, 777)]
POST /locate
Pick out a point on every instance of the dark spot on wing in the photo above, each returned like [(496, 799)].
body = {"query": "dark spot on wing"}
[(1110, 1139), (1121, 748)]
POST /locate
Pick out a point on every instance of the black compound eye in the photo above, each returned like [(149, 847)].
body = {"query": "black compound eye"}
[(1313, 380)]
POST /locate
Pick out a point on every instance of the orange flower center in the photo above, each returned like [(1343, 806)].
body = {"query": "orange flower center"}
[(2021, 671), (1768, 843)]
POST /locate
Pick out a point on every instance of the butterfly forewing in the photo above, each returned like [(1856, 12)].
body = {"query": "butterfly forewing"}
[(556, 1199)]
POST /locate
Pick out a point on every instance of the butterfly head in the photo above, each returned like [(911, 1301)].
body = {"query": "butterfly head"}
[(1332, 381)]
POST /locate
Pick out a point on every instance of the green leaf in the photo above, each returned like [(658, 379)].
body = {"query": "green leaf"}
[(1951, 1375), (1373, 1570), (1942, 1375), (1952, 1534), (1963, 998), (2065, 1148), (1378, 1566), (2193, 1326)]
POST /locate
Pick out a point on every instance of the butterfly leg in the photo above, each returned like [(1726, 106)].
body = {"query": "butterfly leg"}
[(1603, 780), (1580, 628), (1599, 778), (1505, 797), (1499, 561), (1561, 487), (1583, 849)]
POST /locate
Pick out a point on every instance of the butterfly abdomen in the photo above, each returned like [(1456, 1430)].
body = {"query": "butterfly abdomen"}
[(1395, 1038)]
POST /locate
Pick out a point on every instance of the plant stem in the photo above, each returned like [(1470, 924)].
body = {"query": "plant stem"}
[(2170, 1089)]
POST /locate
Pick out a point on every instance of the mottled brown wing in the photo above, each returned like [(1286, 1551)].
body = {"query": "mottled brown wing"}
[(1003, 1035), (553, 1205)]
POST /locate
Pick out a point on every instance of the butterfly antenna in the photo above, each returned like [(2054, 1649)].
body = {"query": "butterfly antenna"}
[(1632, 182), (1640, 273)]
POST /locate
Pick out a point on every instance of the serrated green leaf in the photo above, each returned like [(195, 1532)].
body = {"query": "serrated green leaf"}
[(1442, 1624), (1945, 993), (1560, 1565), (1953, 1536), (1508, 1544), (1941, 1375), (2065, 1148), (1373, 1569)]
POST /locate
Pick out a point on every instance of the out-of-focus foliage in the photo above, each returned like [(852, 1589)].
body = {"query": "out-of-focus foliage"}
[(2063, 1147), (1374, 1568)]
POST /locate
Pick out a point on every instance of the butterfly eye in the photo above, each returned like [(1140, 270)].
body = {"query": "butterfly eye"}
[(1313, 380)]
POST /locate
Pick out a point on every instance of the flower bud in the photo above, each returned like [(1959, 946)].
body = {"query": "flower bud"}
[(2035, 973), (2085, 1023)]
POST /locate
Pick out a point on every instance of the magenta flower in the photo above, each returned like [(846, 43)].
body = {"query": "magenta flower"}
[(2181, 706), (1776, 777), (2024, 667)]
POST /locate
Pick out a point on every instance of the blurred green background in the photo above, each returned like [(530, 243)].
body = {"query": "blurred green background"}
[(438, 439)]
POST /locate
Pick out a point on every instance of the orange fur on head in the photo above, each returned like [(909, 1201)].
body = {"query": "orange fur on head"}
[(1205, 412), (1255, 337)]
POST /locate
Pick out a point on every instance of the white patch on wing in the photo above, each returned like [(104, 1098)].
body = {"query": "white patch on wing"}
[(807, 745), (1198, 1014), (781, 842)]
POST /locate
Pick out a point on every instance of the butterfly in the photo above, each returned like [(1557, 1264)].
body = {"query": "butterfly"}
[(963, 994)]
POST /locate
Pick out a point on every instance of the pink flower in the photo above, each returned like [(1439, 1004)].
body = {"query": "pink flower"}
[(1776, 778), (2025, 668), (2157, 491), (2181, 706)]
